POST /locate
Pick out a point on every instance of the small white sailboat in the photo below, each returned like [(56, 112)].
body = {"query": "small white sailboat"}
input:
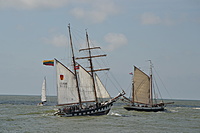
[(43, 94), (142, 93), (80, 91)]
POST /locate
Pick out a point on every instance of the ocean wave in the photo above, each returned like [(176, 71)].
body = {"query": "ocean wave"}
[(48, 114), (195, 108), (116, 114), (171, 111)]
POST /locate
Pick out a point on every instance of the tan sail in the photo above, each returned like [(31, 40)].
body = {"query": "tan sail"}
[(141, 87)]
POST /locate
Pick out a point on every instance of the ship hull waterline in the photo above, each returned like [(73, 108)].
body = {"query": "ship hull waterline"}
[(146, 109), (97, 111)]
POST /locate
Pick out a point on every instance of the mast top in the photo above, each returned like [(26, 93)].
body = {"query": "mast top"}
[(151, 66)]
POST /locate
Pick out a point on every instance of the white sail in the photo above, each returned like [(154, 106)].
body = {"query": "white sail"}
[(66, 85), (85, 85), (141, 86), (100, 88), (43, 96)]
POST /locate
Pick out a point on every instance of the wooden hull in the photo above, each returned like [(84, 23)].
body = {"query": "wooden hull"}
[(97, 111), (147, 109)]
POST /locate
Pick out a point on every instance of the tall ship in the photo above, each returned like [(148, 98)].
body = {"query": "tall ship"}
[(80, 91), (142, 93)]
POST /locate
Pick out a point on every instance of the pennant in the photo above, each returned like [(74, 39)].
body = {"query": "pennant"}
[(131, 73), (76, 67), (48, 62)]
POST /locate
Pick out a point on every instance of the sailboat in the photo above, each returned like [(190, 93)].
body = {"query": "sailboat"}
[(43, 94), (142, 93), (80, 91)]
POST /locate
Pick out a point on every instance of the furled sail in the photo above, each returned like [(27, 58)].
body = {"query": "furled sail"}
[(66, 85), (101, 90), (43, 96), (85, 85), (141, 86)]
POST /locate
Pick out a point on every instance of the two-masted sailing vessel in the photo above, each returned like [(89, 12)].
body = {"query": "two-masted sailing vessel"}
[(43, 94), (80, 91), (142, 93)]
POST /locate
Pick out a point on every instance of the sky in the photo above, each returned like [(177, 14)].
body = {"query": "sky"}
[(167, 32)]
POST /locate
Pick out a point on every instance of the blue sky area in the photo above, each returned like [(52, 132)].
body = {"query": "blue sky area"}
[(130, 32)]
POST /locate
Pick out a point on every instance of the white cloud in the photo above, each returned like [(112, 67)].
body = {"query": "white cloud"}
[(32, 4), (152, 19), (58, 40), (96, 12), (89, 10), (115, 41)]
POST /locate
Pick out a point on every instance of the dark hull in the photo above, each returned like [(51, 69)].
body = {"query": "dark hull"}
[(147, 109), (97, 111)]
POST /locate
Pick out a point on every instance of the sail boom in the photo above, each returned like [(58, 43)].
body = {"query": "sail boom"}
[(127, 99), (119, 95), (90, 57), (90, 48), (141, 103), (104, 69)]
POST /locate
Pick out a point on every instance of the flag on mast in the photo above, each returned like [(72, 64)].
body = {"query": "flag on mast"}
[(48, 62)]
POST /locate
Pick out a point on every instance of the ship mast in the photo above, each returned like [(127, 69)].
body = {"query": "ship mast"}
[(151, 96), (133, 88), (91, 64), (74, 65), (91, 68)]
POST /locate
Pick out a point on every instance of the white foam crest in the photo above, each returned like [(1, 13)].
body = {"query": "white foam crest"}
[(48, 114), (196, 108), (173, 111), (115, 114)]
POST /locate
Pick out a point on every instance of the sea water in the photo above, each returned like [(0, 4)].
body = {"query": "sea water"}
[(20, 114)]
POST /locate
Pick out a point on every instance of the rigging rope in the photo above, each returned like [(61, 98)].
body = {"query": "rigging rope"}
[(157, 89), (163, 84)]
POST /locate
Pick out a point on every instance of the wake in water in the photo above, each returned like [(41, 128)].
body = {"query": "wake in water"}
[(195, 108), (167, 111), (171, 111), (116, 114)]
